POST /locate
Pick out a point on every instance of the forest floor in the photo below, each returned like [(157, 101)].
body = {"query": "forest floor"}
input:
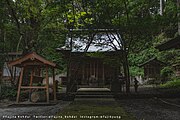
[(151, 109)]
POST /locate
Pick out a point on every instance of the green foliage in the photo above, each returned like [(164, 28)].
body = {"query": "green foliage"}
[(175, 83), (137, 58), (167, 71), (8, 92), (42, 23), (136, 71)]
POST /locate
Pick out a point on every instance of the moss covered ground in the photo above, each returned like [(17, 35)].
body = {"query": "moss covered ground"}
[(95, 109)]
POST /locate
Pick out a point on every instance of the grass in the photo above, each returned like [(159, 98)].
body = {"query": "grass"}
[(98, 110)]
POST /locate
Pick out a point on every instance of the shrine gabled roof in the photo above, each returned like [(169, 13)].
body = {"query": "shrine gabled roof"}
[(101, 42), (173, 43), (152, 60), (31, 58)]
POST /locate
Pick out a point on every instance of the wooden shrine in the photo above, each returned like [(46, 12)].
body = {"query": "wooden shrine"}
[(89, 71), (33, 69), (92, 71), (152, 68), (94, 59)]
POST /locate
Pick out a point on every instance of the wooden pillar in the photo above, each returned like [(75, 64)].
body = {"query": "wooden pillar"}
[(54, 85), (97, 71), (87, 73), (83, 72), (103, 73), (31, 79), (90, 69), (19, 86), (94, 69), (47, 84)]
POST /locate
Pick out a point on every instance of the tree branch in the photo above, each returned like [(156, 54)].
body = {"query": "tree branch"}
[(13, 13)]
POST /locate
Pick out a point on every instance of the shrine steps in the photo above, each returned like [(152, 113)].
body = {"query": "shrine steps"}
[(93, 93)]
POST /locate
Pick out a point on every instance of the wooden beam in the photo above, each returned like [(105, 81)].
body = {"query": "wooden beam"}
[(54, 85), (19, 86), (33, 87), (34, 63), (47, 84)]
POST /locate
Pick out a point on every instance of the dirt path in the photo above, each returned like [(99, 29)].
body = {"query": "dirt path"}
[(30, 112), (150, 109)]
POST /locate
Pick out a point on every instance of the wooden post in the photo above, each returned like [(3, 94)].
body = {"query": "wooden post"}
[(47, 85), (19, 86), (54, 85), (83, 72), (103, 73), (94, 69), (97, 72), (31, 79), (87, 73), (90, 70)]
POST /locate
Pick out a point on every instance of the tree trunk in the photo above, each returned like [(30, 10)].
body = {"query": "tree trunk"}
[(178, 15), (126, 71)]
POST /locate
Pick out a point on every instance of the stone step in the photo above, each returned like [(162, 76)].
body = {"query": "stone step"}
[(84, 93), (100, 100), (94, 96), (94, 93), (93, 90)]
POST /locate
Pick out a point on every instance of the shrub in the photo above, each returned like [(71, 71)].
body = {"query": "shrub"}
[(171, 84), (8, 92), (166, 74)]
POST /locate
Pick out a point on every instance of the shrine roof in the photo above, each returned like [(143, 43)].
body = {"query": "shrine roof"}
[(101, 42), (31, 59), (173, 43), (152, 60)]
